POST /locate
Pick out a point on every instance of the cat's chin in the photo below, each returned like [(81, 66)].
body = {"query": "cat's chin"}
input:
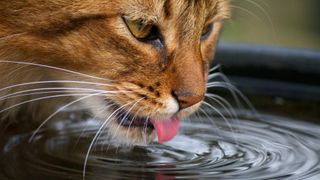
[(130, 128), (131, 135)]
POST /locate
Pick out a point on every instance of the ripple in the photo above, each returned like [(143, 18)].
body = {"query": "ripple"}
[(271, 148)]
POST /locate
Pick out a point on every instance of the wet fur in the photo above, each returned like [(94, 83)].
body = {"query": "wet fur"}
[(89, 36)]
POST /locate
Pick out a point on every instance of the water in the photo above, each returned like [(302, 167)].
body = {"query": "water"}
[(271, 148)]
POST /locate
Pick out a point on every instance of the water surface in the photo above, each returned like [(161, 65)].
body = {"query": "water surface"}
[(273, 147)]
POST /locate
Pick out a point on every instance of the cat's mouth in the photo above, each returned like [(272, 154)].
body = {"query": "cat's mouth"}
[(128, 120), (166, 129)]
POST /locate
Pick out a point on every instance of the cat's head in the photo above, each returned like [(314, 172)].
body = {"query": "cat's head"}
[(154, 54)]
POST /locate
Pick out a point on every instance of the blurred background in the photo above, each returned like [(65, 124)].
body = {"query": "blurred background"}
[(284, 23), (276, 80)]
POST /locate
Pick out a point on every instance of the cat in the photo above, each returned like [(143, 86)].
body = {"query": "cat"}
[(141, 66)]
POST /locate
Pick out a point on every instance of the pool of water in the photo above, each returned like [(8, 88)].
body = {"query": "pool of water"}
[(271, 147)]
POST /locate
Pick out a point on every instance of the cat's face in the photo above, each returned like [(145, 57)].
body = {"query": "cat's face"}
[(157, 52)]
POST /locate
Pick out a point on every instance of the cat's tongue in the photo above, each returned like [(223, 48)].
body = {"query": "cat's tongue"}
[(166, 129)]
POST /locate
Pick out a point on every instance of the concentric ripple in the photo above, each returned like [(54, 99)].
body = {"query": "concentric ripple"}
[(271, 148)]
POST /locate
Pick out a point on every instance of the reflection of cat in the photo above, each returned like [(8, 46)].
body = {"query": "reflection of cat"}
[(139, 65)]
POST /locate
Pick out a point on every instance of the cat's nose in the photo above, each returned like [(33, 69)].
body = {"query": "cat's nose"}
[(187, 99)]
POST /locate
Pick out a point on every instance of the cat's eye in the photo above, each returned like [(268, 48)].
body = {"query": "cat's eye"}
[(206, 31), (140, 30)]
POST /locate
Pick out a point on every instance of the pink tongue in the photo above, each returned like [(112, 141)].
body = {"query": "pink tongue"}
[(166, 129)]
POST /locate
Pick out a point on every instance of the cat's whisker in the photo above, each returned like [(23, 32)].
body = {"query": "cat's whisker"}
[(131, 121), (49, 97), (115, 132), (224, 118), (4, 38), (216, 67), (111, 104), (249, 12), (229, 84), (266, 20), (96, 137), (58, 111), (197, 116), (54, 82), (267, 15), (45, 93), (214, 124), (145, 125), (264, 3), (221, 75), (104, 110), (16, 70), (41, 91), (218, 74), (235, 90), (209, 117), (231, 88), (126, 115), (53, 68), (224, 104), (101, 111)]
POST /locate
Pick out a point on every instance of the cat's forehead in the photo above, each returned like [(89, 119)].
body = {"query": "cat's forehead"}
[(153, 10)]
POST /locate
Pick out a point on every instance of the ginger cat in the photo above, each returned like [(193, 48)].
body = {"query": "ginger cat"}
[(140, 66)]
